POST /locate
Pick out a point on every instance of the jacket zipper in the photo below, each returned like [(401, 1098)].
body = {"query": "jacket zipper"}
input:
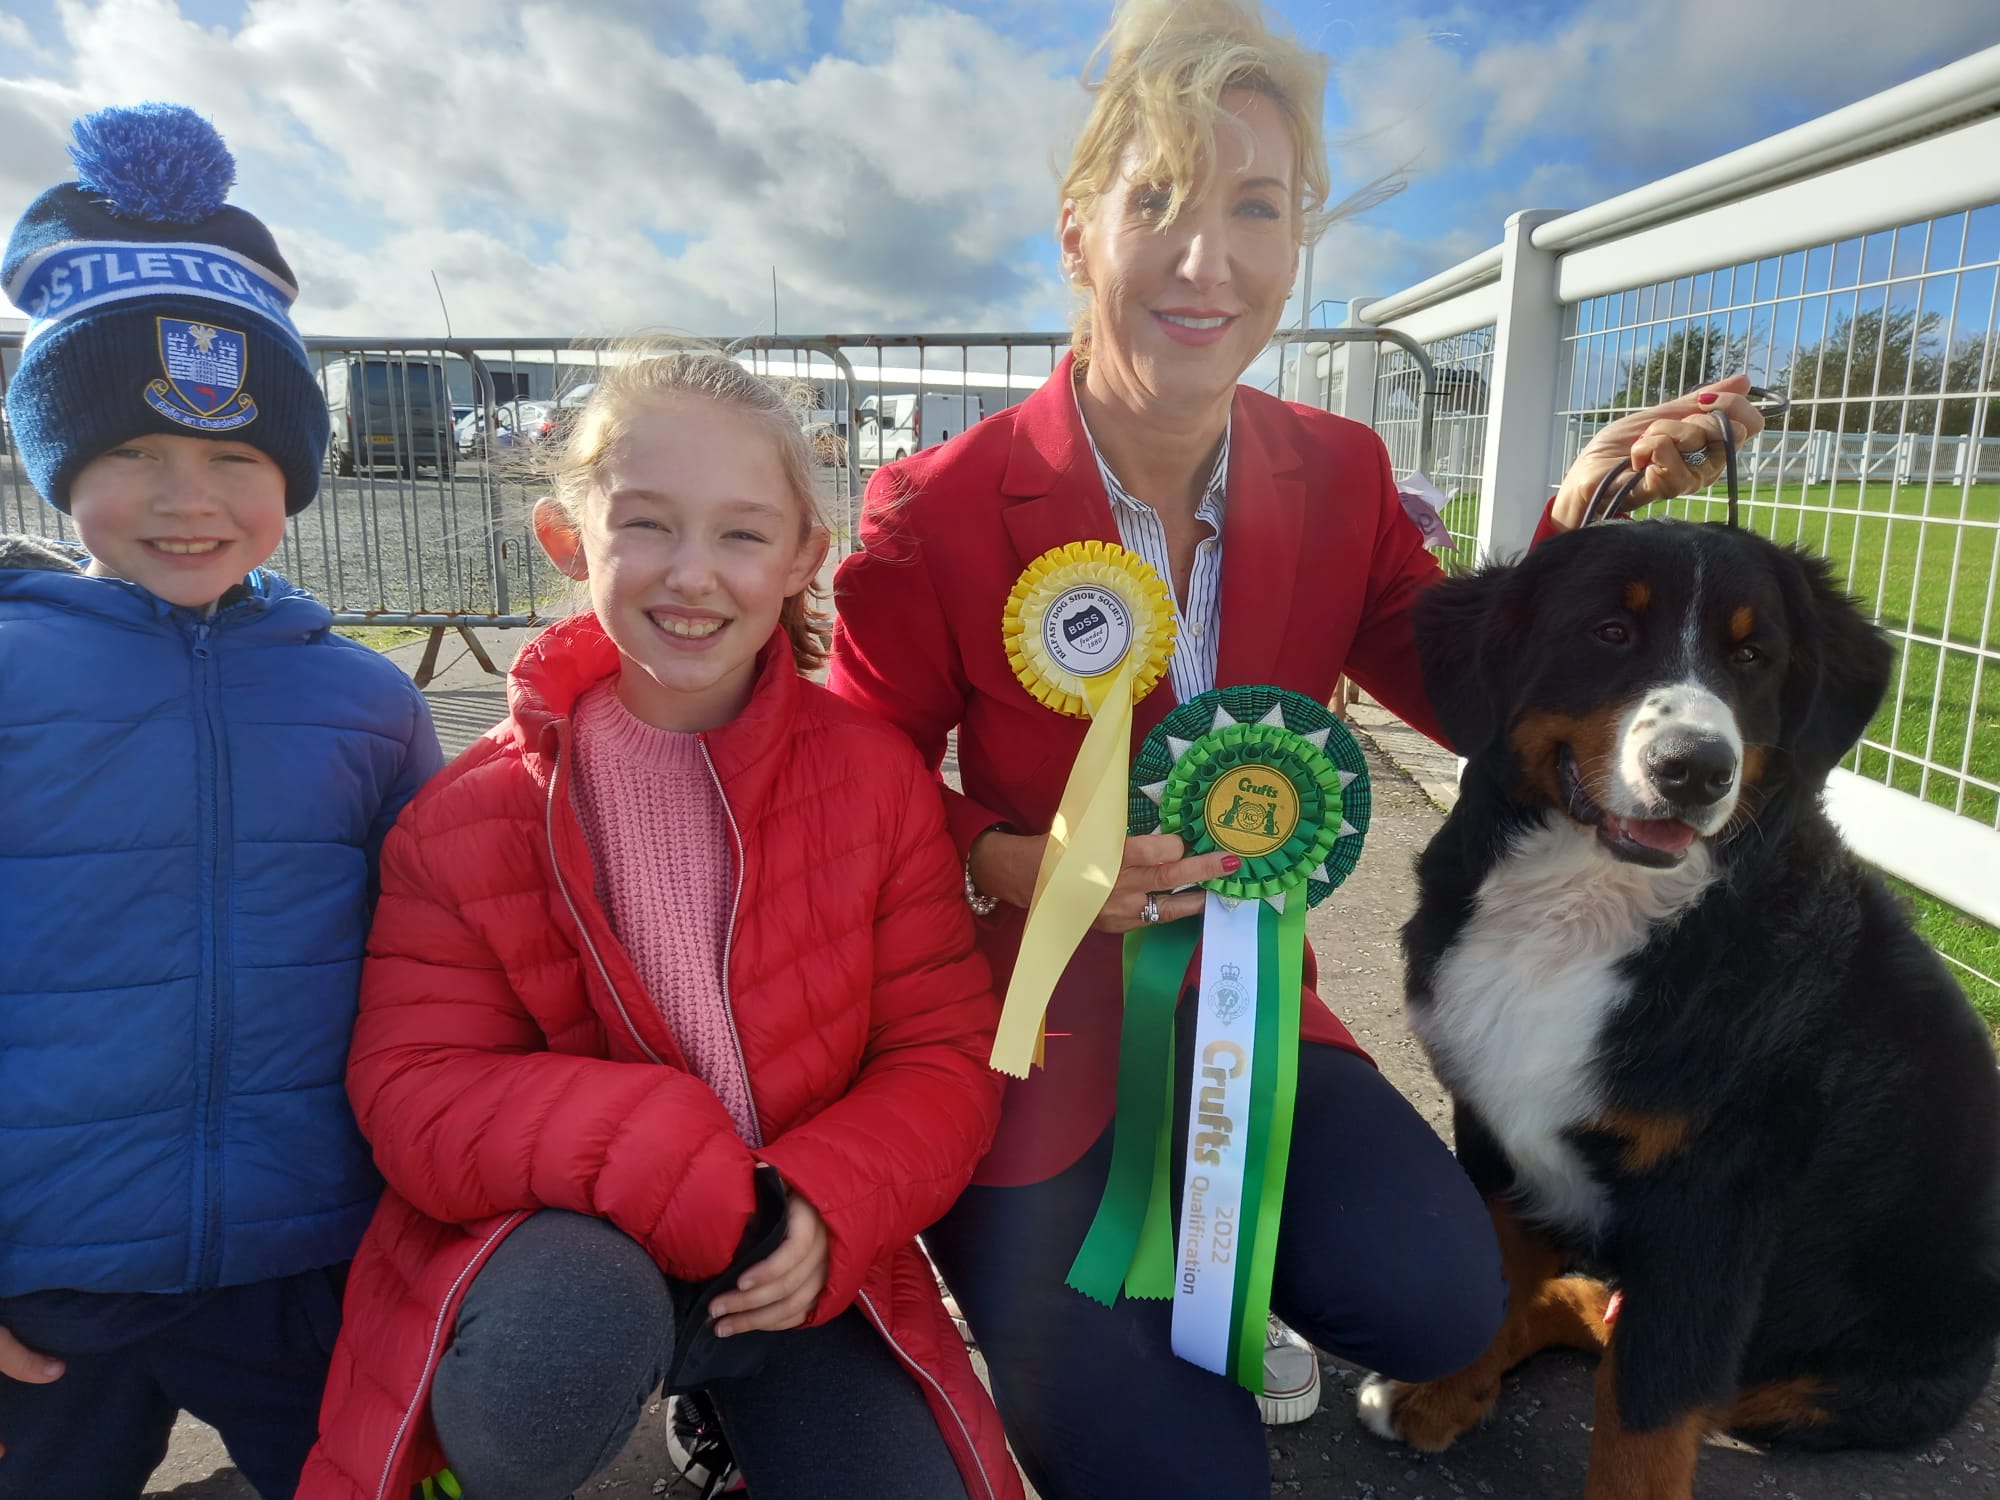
[(555, 867), (882, 1327), (431, 1354), (210, 1087), (437, 1329), (729, 944)]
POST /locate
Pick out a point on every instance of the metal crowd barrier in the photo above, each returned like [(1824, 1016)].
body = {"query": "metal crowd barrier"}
[(423, 518)]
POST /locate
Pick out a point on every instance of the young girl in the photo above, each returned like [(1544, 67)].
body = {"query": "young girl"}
[(672, 1031)]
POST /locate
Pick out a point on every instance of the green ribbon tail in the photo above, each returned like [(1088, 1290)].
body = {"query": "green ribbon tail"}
[(1156, 960), (1281, 943), (1152, 1273)]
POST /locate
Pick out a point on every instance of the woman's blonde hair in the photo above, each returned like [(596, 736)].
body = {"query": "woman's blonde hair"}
[(1167, 64), (642, 373)]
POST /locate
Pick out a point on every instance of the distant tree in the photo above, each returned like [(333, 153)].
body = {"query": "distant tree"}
[(1686, 358), (1970, 367), (1873, 358), (1870, 354)]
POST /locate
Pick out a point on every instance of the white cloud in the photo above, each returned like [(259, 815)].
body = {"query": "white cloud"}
[(1408, 109), (34, 122), (769, 28), (1364, 258), (565, 170), (597, 166), (1652, 87)]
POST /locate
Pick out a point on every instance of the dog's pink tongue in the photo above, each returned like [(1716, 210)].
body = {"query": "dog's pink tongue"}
[(1669, 835)]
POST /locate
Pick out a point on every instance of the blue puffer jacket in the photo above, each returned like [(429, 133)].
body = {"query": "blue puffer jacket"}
[(193, 811)]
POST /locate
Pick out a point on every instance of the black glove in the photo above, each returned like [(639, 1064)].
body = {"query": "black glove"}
[(700, 1358)]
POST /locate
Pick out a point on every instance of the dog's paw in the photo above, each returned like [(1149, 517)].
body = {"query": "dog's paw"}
[(1429, 1417), (1375, 1404)]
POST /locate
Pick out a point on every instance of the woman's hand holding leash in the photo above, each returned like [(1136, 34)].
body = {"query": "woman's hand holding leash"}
[(1149, 887), (1659, 442)]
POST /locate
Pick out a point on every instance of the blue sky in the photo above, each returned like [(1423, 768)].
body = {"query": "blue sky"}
[(603, 164)]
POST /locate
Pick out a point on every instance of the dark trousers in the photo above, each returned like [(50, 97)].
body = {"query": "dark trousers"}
[(250, 1361), (1386, 1257), (567, 1332)]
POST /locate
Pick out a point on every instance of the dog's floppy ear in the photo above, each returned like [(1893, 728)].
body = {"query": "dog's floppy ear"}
[(1838, 672), (1463, 628)]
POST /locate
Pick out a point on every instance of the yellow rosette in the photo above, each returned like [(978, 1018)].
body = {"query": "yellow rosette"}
[(1089, 629)]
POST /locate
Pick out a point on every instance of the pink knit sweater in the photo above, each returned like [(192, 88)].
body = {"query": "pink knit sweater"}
[(659, 837)]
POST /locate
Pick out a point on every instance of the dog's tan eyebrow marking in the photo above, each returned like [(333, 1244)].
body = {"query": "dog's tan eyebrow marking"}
[(1742, 622), (1638, 594), (1649, 1139)]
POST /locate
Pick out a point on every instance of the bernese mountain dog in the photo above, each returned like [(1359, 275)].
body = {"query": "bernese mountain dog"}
[(1738, 1129)]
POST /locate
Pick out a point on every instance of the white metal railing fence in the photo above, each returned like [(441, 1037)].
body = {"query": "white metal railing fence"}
[(1852, 264), (1463, 364)]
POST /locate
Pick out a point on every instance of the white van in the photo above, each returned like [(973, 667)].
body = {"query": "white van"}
[(894, 427)]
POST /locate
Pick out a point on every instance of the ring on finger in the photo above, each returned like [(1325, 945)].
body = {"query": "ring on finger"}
[(1150, 912), (1695, 459)]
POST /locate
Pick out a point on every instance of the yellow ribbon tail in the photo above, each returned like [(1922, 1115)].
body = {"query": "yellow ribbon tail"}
[(1080, 865)]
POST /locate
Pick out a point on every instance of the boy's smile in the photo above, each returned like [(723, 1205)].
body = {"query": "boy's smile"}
[(183, 517)]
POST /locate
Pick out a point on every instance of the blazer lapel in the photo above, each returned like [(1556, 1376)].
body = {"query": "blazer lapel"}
[(1262, 568), (1058, 498), (1057, 495)]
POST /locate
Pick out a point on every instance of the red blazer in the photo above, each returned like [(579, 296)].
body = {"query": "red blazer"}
[(1319, 567), (507, 1057)]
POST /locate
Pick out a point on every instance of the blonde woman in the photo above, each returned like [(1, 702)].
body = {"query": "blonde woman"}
[(1199, 175)]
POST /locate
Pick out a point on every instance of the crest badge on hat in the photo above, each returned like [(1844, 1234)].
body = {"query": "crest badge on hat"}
[(204, 371)]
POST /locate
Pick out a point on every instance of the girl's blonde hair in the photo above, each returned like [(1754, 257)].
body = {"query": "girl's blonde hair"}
[(1167, 64), (643, 373)]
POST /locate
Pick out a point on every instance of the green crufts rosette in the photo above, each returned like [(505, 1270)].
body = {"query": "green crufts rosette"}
[(1273, 778), (1300, 824)]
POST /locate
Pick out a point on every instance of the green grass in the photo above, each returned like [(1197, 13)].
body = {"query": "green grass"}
[(1461, 519), (1965, 939)]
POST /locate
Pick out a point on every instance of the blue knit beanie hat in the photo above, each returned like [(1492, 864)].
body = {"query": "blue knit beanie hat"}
[(155, 307)]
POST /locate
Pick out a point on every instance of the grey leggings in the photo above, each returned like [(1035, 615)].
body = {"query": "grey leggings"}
[(566, 1334)]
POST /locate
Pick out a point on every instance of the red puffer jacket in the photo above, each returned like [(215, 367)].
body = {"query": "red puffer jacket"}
[(507, 1058)]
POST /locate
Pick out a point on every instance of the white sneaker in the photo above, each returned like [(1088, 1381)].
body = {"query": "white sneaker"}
[(1291, 1377)]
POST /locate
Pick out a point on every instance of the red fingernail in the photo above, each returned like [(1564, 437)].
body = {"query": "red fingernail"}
[(1707, 398), (1231, 864)]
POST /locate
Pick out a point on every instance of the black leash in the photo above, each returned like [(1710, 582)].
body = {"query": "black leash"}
[(1770, 403)]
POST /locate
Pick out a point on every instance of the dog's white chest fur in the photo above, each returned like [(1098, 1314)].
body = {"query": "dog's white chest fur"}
[(1520, 999)]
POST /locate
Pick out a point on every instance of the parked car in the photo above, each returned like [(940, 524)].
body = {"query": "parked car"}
[(894, 427), (387, 412), (515, 423)]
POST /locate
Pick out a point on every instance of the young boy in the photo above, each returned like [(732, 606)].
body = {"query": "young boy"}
[(199, 778)]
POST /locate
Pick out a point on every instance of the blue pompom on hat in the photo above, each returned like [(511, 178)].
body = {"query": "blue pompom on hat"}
[(155, 307)]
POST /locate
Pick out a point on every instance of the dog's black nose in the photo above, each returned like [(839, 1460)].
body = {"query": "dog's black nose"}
[(1694, 771)]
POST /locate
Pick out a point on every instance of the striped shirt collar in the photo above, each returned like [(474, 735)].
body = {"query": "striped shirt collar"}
[(1213, 495)]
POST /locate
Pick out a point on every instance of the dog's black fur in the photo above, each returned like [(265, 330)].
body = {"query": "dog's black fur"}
[(1835, 1213)]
